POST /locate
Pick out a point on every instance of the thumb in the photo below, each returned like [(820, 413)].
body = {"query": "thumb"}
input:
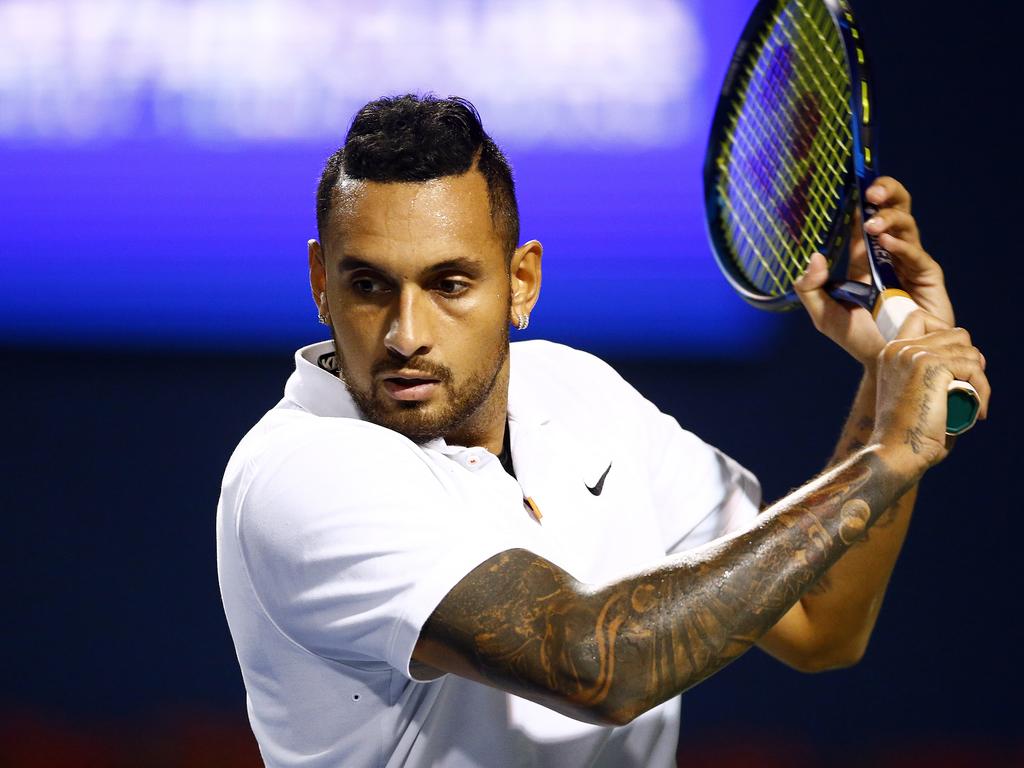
[(810, 287), (917, 323)]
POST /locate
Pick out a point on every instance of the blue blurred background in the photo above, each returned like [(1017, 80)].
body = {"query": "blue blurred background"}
[(157, 169), (175, 145)]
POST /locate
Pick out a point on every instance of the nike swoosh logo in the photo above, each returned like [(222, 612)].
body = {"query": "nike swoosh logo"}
[(599, 485)]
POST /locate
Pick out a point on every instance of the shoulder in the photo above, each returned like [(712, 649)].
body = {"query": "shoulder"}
[(293, 454), (284, 433), (586, 393), (541, 353), (567, 376)]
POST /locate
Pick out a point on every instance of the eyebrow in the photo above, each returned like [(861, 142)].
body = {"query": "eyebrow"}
[(352, 263), (458, 264)]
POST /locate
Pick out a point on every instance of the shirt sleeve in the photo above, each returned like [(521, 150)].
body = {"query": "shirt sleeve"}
[(701, 493), (351, 537)]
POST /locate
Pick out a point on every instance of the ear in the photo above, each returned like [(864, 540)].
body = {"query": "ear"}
[(524, 273), (317, 275)]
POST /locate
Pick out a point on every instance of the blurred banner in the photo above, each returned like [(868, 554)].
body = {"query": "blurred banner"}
[(158, 159)]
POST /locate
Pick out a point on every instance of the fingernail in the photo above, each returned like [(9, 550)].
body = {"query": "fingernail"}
[(874, 223)]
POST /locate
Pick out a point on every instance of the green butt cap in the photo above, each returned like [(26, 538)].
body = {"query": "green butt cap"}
[(961, 411)]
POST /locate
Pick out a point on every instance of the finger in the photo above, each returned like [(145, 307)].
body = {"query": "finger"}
[(895, 222), (949, 367), (858, 269), (954, 344), (953, 347), (958, 339), (928, 345), (828, 315), (968, 369), (885, 190), (911, 260), (858, 266), (810, 286), (855, 223), (965, 351), (919, 323), (947, 340)]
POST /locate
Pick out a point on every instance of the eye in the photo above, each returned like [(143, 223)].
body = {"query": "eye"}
[(368, 285), (450, 286)]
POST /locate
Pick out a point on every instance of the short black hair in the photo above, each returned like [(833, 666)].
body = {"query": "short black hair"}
[(418, 138)]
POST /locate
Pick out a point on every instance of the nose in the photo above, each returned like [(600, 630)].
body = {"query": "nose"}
[(409, 332)]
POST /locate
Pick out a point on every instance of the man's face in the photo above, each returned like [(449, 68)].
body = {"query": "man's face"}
[(418, 289)]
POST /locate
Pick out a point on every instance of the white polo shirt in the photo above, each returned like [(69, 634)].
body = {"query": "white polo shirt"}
[(337, 538)]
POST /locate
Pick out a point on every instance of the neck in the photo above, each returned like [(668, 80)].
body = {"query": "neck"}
[(486, 427)]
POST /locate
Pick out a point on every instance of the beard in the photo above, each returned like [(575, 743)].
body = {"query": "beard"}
[(420, 421)]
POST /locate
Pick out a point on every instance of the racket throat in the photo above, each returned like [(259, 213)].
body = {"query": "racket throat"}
[(853, 292), (890, 306)]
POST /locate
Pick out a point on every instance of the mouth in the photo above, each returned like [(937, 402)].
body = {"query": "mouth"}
[(409, 387)]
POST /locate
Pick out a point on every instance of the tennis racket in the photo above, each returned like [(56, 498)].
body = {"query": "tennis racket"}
[(789, 158)]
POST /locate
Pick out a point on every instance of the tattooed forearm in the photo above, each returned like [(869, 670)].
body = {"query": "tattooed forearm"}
[(857, 434), (857, 430), (609, 653)]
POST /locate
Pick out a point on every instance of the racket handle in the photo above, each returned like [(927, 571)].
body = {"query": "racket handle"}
[(962, 402)]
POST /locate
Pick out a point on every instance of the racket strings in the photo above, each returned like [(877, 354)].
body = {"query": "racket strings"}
[(790, 167), (837, 147), (784, 161), (750, 232), (795, 149), (750, 244), (838, 142)]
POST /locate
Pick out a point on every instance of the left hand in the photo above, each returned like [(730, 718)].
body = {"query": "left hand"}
[(851, 327)]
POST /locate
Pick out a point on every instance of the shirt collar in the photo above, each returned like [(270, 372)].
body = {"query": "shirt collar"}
[(526, 388), (322, 393), (316, 390)]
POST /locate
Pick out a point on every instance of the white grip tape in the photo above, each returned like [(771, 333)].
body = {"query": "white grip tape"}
[(962, 386), (892, 314)]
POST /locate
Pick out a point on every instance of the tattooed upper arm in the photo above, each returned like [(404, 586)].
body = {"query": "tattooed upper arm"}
[(510, 624)]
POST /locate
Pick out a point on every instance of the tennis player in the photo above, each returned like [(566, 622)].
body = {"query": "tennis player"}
[(442, 549)]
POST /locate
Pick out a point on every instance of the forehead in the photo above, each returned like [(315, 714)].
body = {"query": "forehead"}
[(451, 212)]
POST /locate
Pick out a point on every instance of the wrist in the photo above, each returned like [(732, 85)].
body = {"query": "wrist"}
[(906, 465)]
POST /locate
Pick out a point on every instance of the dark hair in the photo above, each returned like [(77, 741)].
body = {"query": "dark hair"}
[(417, 138)]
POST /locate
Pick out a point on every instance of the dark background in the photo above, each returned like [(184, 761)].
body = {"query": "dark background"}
[(116, 651)]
